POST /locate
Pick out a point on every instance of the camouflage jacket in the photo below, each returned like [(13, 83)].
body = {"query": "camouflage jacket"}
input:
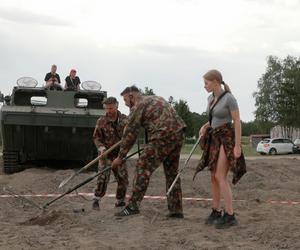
[(107, 132), (154, 114)]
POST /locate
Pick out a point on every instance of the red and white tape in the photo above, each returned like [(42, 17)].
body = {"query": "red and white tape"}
[(150, 197)]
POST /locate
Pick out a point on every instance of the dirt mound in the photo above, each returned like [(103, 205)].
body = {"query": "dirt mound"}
[(47, 218)]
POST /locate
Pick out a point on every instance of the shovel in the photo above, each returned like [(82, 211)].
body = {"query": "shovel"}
[(65, 181)]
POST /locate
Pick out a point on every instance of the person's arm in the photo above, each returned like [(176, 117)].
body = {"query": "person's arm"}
[(131, 131), (238, 132), (235, 115), (47, 77), (78, 85), (66, 82), (203, 129), (48, 80), (58, 78), (98, 137)]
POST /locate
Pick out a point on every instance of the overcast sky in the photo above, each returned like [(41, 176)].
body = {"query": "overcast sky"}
[(166, 45)]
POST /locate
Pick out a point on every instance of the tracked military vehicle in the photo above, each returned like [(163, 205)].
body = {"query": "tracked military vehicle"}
[(39, 124)]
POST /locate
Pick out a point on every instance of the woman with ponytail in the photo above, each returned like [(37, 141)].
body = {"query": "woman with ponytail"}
[(221, 144)]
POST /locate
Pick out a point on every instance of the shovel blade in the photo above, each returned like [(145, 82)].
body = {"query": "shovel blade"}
[(65, 181)]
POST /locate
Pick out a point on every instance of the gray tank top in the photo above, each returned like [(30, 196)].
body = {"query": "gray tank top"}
[(221, 112)]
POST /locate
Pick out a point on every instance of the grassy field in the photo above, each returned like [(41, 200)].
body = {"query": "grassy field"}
[(247, 148), (186, 149)]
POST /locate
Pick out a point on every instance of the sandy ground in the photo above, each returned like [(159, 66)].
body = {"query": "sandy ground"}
[(262, 225)]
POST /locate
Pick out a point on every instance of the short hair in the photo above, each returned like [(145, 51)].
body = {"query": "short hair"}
[(53, 66), (130, 89), (110, 100)]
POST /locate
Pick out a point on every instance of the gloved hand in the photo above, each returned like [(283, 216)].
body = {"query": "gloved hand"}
[(101, 149)]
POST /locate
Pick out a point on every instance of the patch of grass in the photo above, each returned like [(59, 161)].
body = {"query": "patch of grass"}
[(186, 149), (247, 148)]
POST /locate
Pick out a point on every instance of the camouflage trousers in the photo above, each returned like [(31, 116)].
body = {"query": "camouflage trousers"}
[(166, 151), (121, 176)]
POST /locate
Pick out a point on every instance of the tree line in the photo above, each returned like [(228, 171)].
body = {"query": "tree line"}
[(277, 100)]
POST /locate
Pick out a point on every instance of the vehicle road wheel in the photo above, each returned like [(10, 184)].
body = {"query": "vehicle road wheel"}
[(11, 162), (273, 151)]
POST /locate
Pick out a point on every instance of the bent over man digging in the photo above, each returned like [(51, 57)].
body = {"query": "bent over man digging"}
[(165, 131)]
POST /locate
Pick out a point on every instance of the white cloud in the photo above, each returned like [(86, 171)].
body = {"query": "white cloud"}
[(293, 46), (27, 17)]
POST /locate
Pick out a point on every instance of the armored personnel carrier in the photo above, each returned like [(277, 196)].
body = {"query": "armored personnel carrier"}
[(39, 124)]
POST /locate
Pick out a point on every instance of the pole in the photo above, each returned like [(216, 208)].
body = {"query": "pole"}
[(184, 166), (65, 181)]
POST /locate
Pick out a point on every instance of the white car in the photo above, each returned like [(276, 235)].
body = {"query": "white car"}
[(275, 146), (297, 144)]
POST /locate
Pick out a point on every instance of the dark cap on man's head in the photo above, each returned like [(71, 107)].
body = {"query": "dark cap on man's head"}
[(130, 89), (110, 100)]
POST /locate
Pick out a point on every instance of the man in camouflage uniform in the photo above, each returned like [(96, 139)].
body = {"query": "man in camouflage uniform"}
[(108, 131), (165, 134)]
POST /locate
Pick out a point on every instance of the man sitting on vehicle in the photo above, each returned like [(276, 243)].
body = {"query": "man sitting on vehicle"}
[(52, 79)]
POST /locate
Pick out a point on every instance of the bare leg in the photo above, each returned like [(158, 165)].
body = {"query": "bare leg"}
[(216, 193), (221, 177)]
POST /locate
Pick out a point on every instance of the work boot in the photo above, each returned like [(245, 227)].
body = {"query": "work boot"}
[(120, 203), (213, 217), (226, 221), (96, 204), (127, 211), (175, 215)]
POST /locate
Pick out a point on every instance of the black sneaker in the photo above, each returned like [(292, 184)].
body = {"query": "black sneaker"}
[(127, 211), (175, 215), (226, 221), (213, 217), (120, 204), (96, 204)]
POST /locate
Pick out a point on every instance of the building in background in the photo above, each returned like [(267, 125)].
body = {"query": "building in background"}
[(285, 132)]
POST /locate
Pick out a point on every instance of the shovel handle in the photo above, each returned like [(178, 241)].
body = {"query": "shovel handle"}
[(105, 153)]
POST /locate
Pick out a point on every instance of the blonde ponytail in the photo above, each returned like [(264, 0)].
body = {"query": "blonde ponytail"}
[(226, 87), (216, 75)]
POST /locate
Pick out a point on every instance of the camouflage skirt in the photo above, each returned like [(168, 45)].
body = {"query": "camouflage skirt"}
[(211, 143)]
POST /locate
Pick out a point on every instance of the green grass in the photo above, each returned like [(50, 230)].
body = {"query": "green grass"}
[(247, 148), (186, 149)]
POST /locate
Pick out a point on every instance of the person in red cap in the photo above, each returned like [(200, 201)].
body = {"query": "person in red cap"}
[(72, 81)]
